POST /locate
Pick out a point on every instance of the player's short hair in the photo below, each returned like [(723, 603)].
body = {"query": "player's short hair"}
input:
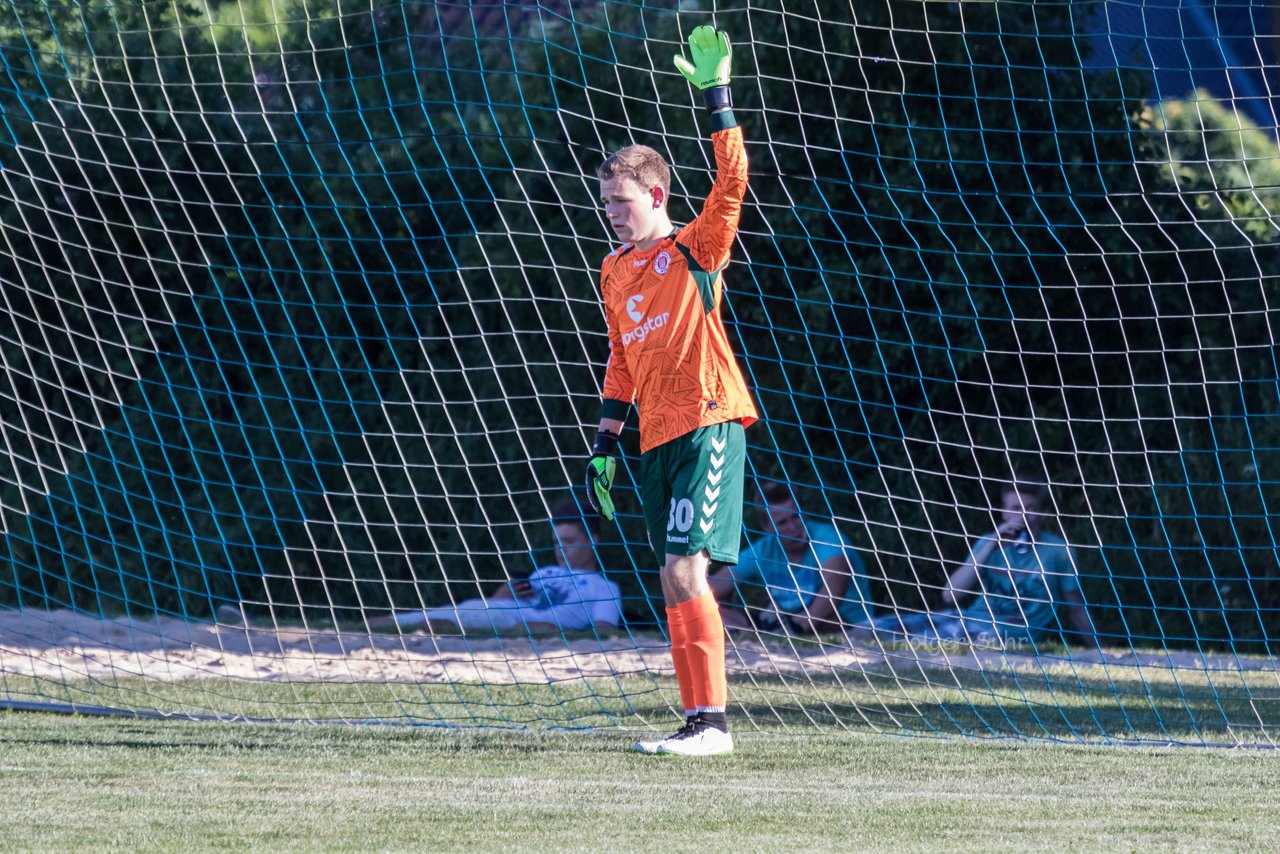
[(641, 164), (566, 512)]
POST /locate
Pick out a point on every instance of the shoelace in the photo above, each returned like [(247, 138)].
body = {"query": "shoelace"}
[(690, 729)]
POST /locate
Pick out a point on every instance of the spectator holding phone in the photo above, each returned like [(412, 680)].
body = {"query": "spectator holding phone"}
[(568, 595)]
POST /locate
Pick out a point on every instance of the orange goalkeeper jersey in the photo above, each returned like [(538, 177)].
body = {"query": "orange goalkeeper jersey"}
[(668, 348)]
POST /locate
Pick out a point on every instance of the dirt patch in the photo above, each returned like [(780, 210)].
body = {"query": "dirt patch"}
[(69, 645)]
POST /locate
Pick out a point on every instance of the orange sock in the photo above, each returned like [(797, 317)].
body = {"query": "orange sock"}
[(704, 632), (680, 658)]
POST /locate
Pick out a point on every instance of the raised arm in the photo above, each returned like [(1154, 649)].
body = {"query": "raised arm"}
[(710, 237)]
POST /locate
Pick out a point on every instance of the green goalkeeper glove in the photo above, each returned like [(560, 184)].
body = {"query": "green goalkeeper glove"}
[(711, 58), (600, 470), (709, 71)]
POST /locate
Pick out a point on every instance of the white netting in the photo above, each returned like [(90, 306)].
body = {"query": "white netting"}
[(301, 328)]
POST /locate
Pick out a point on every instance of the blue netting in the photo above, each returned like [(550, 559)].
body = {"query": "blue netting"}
[(301, 324)]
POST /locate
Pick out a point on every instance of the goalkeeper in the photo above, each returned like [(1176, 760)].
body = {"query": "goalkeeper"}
[(670, 355)]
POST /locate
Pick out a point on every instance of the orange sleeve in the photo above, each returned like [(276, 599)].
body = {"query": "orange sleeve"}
[(711, 235), (618, 383)]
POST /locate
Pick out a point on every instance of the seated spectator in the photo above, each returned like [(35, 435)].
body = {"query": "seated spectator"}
[(569, 595), (1020, 574), (813, 581)]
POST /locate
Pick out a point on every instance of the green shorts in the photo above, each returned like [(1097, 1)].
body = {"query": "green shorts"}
[(691, 491)]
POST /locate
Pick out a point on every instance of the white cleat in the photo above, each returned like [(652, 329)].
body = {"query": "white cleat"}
[(648, 748), (703, 741)]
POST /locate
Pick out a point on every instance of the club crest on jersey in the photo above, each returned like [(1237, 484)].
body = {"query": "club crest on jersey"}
[(661, 263)]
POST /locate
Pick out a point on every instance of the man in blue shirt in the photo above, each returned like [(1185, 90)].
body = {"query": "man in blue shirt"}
[(813, 580), (1020, 574)]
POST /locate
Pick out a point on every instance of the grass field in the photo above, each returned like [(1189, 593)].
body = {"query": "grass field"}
[(96, 783), (799, 779), (1070, 702)]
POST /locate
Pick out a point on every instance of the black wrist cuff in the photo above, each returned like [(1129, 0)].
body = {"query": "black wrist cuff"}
[(614, 409), (606, 444), (717, 98)]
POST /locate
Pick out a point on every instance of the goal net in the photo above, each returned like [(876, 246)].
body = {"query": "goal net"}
[(301, 347)]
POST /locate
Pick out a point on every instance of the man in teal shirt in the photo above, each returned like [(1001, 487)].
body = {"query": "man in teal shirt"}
[(1021, 575), (813, 581)]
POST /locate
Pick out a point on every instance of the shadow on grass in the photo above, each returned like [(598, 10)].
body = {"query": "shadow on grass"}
[(1094, 703), (1087, 705)]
